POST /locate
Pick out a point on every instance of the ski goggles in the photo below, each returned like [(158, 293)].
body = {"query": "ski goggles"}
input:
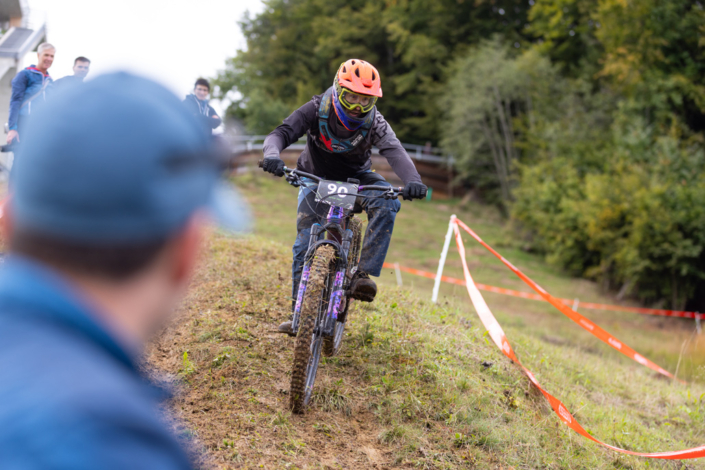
[(351, 100)]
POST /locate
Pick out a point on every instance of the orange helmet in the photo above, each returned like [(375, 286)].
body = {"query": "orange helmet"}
[(360, 76)]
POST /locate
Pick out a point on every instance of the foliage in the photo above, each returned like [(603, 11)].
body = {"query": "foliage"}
[(295, 47), (637, 226), (582, 118), (605, 146), (496, 87)]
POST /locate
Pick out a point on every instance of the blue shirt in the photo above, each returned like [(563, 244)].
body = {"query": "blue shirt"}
[(71, 396), (28, 89)]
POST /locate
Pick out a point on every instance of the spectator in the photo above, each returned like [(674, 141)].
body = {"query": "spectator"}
[(197, 103), (29, 89), (104, 234), (81, 66)]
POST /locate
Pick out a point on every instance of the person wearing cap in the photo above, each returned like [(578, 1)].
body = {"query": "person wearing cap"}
[(29, 91), (197, 103), (342, 125), (104, 233)]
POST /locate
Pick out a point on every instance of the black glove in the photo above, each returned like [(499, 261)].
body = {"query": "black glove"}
[(273, 165), (414, 191)]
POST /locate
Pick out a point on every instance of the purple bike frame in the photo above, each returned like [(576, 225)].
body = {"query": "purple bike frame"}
[(337, 294)]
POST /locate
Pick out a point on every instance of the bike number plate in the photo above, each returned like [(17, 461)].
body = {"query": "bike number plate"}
[(337, 194)]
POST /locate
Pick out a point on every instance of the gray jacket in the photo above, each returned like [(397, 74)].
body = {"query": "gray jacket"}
[(339, 166)]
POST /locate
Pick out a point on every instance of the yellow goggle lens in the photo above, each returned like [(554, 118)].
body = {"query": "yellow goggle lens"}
[(352, 100)]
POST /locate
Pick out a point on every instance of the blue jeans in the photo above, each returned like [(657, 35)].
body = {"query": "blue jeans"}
[(380, 215)]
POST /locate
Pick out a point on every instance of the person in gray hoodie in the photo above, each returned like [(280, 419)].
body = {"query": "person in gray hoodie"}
[(197, 103)]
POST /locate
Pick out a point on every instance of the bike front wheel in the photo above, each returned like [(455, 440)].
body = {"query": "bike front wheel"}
[(307, 352)]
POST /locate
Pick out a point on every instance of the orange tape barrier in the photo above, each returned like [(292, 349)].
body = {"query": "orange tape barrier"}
[(500, 339), (584, 323), (528, 295)]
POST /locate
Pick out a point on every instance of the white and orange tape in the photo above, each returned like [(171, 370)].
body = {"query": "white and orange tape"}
[(528, 295), (500, 339)]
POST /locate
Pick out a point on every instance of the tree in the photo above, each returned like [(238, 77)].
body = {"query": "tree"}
[(294, 48)]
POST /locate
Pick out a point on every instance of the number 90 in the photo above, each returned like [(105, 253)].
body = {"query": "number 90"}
[(332, 188)]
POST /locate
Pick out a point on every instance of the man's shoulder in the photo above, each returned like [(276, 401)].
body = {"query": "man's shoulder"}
[(57, 387), (21, 74), (380, 126), (67, 78)]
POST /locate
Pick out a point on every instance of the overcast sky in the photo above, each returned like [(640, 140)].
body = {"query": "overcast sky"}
[(172, 41)]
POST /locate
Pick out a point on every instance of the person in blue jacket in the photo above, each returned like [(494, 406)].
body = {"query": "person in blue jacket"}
[(104, 234), (197, 103), (29, 89)]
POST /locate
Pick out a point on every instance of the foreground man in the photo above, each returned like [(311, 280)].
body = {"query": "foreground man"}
[(104, 233), (342, 125)]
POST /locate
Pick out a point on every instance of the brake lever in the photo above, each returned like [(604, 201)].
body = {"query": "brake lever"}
[(293, 179), (390, 194)]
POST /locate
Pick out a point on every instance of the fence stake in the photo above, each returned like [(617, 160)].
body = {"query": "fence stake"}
[(576, 303), (697, 322), (398, 271), (442, 261)]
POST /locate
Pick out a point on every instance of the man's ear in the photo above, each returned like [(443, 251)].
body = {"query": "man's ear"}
[(186, 248)]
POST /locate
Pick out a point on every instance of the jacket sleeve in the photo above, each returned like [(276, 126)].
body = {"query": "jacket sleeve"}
[(292, 129), (213, 118), (19, 86), (390, 148)]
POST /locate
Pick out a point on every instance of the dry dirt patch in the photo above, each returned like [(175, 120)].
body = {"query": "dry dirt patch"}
[(231, 373)]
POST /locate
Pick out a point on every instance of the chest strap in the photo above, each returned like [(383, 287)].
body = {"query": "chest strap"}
[(326, 140)]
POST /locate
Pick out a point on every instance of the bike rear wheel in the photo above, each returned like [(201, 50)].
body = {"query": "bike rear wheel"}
[(307, 352)]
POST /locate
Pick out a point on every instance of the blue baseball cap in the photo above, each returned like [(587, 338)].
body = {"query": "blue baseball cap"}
[(118, 160)]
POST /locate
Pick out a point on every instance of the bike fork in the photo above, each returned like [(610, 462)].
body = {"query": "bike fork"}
[(336, 298), (316, 230)]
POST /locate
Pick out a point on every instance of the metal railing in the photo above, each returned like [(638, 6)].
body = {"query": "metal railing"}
[(249, 143)]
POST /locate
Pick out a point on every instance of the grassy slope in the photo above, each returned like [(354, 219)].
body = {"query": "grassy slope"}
[(417, 242), (409, 389)]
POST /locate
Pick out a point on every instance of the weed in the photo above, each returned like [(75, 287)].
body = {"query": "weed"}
[(221, 358), (187, 367), (323, 428), (294, 446), (393, 435), (463, 385), (333, 399), (207, 335), (366, 336), (281, 418)]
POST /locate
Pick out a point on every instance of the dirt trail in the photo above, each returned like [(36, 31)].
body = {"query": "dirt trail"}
[(235, 397)]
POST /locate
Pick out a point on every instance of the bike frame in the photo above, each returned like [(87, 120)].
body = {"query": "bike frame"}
[(334, 227)]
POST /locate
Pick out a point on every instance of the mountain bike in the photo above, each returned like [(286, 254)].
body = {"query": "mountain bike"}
[(323, 299)]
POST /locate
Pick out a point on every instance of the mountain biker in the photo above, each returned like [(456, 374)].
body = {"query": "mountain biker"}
[(342, 125)]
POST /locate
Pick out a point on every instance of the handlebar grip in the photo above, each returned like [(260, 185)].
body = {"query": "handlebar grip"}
[(260, 163)]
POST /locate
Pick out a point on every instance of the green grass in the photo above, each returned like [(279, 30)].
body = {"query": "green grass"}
[(417, 385), (417, 241)]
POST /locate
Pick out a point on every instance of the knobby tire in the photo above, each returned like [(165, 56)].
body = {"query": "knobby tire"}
[(310, 307), (331, 345)]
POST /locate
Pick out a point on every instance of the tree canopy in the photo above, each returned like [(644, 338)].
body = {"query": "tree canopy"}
[(583, 119)]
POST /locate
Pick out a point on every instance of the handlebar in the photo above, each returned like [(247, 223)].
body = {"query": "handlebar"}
[(390, 189)]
